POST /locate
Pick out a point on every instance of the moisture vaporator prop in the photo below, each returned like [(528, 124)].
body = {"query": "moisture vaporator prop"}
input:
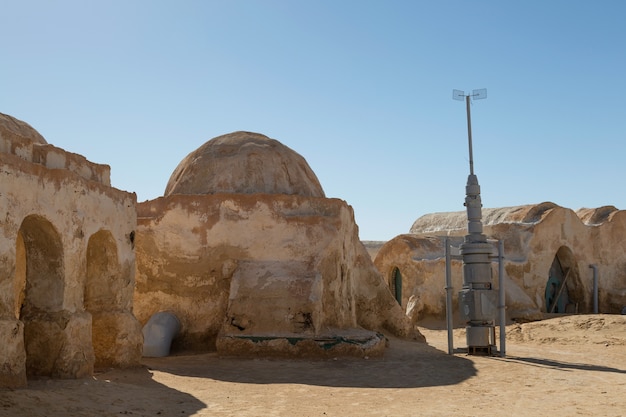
[(477, 300)]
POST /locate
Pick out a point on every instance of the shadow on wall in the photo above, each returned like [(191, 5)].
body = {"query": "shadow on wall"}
[(57, 341), (39, 293)]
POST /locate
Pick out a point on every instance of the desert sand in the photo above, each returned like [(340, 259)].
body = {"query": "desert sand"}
[(568, 365)]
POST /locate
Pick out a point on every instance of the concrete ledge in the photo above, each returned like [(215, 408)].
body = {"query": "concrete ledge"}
[(340, 344)]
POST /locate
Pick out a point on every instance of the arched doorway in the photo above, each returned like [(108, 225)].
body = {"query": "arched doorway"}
[(40, 287), (564, 293), (102, 289), (395, 284)]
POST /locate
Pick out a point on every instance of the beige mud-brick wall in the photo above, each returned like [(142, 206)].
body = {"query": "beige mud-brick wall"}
[(536, 238), (201, 257), (59, 223), (244, 242)]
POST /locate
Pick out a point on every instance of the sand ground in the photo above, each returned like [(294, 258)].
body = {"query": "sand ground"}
[(567, 366)]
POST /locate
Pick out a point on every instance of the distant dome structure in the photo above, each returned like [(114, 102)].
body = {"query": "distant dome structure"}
[(244, 163), (11, 128)]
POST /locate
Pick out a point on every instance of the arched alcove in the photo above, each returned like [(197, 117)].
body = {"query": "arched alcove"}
[(395, 284), (40, 286), (102, 288), (564, 292), (102, 272)]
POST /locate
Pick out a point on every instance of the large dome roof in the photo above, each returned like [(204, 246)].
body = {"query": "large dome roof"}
[(11, 128), (244, 163)]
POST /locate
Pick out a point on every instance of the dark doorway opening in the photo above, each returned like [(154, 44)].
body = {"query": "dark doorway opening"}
[(396, 284), (564, 292)]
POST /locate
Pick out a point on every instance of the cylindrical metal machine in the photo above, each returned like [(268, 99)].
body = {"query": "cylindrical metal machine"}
[(477, 300)]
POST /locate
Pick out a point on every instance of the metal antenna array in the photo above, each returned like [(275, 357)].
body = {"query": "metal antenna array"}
[(477, 300), (476, 95)]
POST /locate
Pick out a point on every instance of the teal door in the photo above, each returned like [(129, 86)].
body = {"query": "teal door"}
[(396, 285), (554, 304)]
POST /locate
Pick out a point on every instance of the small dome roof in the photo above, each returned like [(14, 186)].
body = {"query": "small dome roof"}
[(598, 215), (437, 222), (244, 163), (11, 128)]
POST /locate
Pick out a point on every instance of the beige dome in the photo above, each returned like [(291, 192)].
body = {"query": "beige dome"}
[(244, 163), (12, 128)]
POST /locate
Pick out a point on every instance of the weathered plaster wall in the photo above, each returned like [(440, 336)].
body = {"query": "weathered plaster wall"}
[(257, 264), (533, 235), (422, 278), (35, 150), (60, 220)]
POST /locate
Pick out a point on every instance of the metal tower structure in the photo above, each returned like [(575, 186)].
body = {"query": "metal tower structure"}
[(477, 300)]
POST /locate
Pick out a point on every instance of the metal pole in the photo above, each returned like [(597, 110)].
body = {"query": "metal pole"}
[(502, 298), (469, 134), (595, 288), (449, 297)]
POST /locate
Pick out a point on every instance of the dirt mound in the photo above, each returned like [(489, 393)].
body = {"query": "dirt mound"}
[(597, 329)]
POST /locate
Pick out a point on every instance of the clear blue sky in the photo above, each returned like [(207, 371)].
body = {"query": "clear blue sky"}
[(362, 89)]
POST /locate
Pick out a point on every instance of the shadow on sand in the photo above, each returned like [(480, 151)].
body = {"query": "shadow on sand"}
[(563, 366), (405, 365), (111, 393)]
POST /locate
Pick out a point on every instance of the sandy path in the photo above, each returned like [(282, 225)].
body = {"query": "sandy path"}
[(577, 369)]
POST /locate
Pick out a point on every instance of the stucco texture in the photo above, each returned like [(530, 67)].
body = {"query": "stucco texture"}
[(540, 241), (244, 248), (67, 262)]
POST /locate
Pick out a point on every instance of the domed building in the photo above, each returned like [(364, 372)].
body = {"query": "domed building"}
[(556, 260), (248, 254), (67, 270), (244, 163)]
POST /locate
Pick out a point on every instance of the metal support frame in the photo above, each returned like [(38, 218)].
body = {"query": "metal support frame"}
[(501, 298), (449, 289), (595, 288)]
